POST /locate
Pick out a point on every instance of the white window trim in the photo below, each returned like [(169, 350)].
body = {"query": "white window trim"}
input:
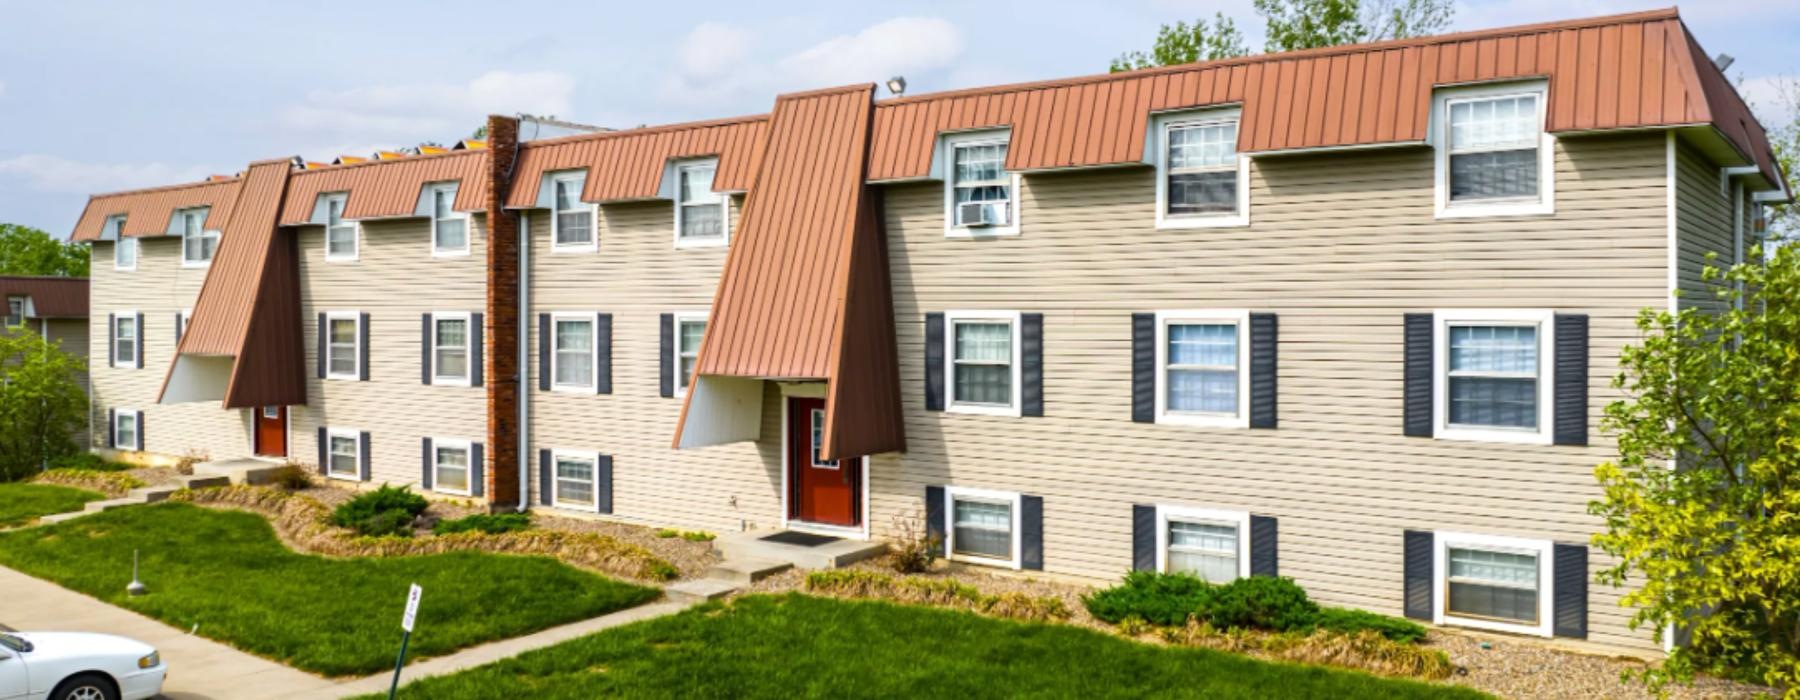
[(361, 459), (356, 232), (467, 219), (951, 318), (724, 238), (1241, 519), (593, 321), (1440, 569), (556, 500), (1441, 101), (468, 448), (593, 241), (468, 348), (187, 316), (947, 146), (137, 428), (356, 352), (137, 340), (202, 233), (682, 384), (1239, 317), (1163, 124), (116, 224), (1545, 320), (950, 495)]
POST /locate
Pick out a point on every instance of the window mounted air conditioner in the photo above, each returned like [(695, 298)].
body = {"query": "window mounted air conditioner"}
[(979, 215)]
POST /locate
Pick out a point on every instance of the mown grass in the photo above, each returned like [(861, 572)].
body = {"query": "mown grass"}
[(23, 503), (801, 646), (227, 573)]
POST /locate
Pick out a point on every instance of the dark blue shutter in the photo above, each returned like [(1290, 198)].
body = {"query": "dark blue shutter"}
[(666, 356), (178, 329), (1143, 369), (544, 341), (140, 432), (545, 496), (1031, 532), (428, 464), (1417, 388), (1264, 547), (427, 341), (324, 452), (368, 471), (1571, 387), (321, 346), (1264, 332), (935, 523), (603, 484), (1569, 609), (112, 344), (1031, 373), (1143, 538), (112, 428), (477, 470), (477, 349), (362, 348), (603, 354), (934, 362), (1419, 597), (137, 326)]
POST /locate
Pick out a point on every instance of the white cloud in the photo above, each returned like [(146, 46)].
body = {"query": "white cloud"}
[(404, 115), (1774, 98), (53, 174), (905, 45), (2, 89), (720, 63), (712, 50)]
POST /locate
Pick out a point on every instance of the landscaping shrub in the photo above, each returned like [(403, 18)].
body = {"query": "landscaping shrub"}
[(1365, 650), (698, 536), (114, 484), (1261, 602), (948, 593), (492, 524), (912, 549), (291, 477), (668, 532), (1352, 621), (42, 404), (87, 461), (1162, 599), (384, 511), (1257, 602)]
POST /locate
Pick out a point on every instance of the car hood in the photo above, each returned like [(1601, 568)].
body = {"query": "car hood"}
[(64, 645)]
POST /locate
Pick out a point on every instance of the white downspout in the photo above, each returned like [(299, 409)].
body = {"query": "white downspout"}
[(524, 232)]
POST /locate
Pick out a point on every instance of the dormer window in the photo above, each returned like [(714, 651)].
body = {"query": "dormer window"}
[(449, 228), (340, 235), (125, 250), (1494, 158), (1202, 180), (571, 220), (979, 192), (197, 243), (700, 213)]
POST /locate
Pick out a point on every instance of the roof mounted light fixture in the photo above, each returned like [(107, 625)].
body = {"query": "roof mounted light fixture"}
[(1724, 61), (897, 85)]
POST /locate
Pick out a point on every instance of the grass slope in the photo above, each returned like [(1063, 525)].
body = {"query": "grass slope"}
[(23, 503), (800, 646), (226, 572)]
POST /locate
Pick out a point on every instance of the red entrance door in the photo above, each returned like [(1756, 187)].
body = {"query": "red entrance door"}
[(819, 491), (271, 431)]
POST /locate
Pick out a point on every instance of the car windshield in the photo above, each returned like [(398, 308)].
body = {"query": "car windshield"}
[(14, 643)]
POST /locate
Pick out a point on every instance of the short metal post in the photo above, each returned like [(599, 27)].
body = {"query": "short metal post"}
[(398, 662)]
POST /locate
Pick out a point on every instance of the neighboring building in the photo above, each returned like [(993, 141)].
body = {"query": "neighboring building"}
[(55, 308), (1347, 315)]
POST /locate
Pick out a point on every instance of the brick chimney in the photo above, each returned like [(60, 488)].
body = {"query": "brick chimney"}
[(503, 379)]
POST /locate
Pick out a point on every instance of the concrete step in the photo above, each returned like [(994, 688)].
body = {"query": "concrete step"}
[(241, 471), (111, 503), (699, 590), (746, 546), (152, 494), (747, 571), (59, 517), (201, 481)]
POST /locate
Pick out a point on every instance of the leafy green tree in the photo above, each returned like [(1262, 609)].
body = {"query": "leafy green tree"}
[(29, 251), (1784, 136), (42, 404), (1184, 43), (1702, 507)]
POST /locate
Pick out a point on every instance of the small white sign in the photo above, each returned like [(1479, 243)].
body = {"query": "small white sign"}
[(412, 607)]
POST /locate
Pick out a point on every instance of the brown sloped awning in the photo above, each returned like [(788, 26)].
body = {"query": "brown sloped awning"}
[(51, 297), (147, 211), (628, 164)]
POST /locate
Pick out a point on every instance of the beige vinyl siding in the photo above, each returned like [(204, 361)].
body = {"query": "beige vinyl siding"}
[(1703, 225), (395, 280), (1340, 246), (159, 288), (71, 336)]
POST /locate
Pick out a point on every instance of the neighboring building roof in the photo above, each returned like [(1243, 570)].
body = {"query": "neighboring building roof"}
[(386, 189), (147, 211), (51, 297), (628, 165)]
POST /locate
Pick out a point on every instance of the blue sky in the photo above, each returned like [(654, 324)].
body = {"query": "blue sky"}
[(101, 96)]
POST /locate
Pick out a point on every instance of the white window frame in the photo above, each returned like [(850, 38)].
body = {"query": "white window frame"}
[(579, 178), (1442, 100), (18, 320), (355, 345), (555, 485), (1240, 519), (1239, 318), (137, 332), (137, 429), (951, 493), (468, 320), (724, 238), (684, 383), (593, 321), (121, 243), (356, 439), (1545, 321), (1544, 550), (431, 193), (342, 199), (951, 318), (468, 448), (948, 145), (186, 316), (199, 231), (1165, 123)]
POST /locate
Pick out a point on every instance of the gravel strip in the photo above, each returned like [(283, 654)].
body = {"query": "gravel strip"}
[(154, 476), (692, 559)]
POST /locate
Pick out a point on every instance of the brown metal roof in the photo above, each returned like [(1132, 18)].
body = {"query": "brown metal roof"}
[(627, 165), (387, 188), (1622, 71), (147, 211), (51, 297)]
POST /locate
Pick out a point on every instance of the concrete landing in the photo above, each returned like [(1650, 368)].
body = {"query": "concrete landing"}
[(699, 590), (747, 546), (744, 571), (243, 470)]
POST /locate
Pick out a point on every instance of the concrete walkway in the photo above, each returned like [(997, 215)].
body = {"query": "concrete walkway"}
[(200, 668)]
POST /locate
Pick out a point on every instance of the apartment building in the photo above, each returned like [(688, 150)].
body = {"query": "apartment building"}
[(1347, 315)]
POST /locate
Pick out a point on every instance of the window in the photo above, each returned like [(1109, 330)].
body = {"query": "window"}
[(343, 352), (197, 244), (818, 440), (700, 213), (15, 312), (181, 322), (343, 459), (979, 190), (450, 340), (449, 228), (1493, 372), (125, 340), (125, 250), (571, 220), (125, 429), (984, 362), (1201, 178), (1497, 583), (690, 330), (984, 526), (573, 352), (1493, 153), (1203, 360), (1210, 544), (340, 236), (450, 465), (575, 479)]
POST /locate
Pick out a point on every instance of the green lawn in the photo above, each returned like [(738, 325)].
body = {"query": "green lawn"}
[(801, 646), (23, 503), (226, 572)]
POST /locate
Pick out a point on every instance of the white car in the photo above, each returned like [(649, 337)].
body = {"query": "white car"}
[(77, 666)]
